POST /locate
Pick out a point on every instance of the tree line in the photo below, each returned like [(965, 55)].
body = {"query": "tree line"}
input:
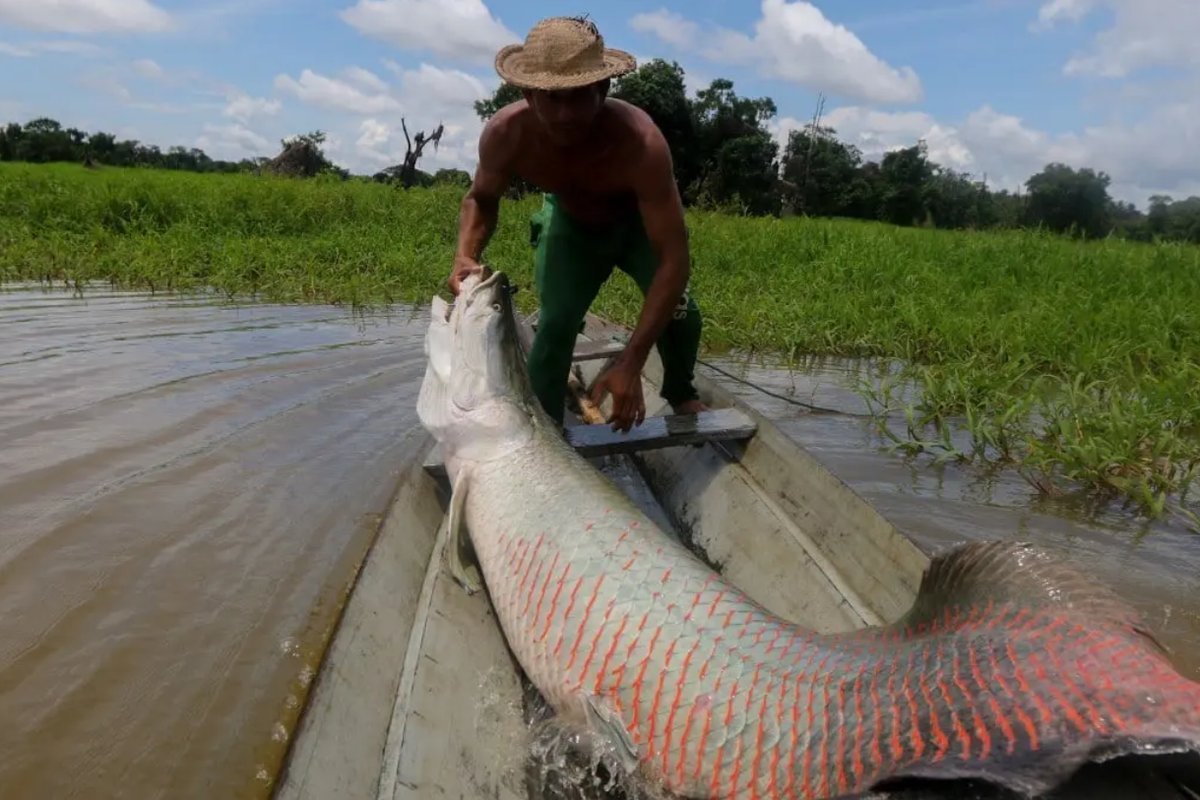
[(725, 159)]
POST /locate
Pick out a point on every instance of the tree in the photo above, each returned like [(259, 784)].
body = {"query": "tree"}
[(302, 156), (451, 177), (905, 174), (953, 200), (1064, 199), (505, 94), (737, 155), (658, 88), (411, 154), (820, 172)]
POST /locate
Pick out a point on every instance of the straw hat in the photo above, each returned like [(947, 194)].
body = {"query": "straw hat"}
[(561, 53)]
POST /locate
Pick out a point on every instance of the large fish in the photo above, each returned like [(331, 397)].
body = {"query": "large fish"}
[(1009, 667)]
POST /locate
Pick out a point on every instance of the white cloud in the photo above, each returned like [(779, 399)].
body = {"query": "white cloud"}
[(452, 29), (1144, 33), (423, 97), (794, 41), (107, 83), (365, 78), (428, 96), (148, 68), (1152, 155), (62, 46), (244, 108), (337, 94), (669, 26), (234, 142), (86, 16)]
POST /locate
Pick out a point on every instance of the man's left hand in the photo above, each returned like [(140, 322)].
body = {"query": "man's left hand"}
[(623, 380)]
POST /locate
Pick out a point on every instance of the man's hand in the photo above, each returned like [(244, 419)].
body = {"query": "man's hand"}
[(623, 380), (462, 268)]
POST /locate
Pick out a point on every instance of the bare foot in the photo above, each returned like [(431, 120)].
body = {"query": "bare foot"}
[(689, 407)]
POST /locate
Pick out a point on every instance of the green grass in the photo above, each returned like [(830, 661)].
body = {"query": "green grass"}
[(1076, 364)]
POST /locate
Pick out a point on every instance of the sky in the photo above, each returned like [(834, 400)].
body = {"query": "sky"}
[(996, 88)]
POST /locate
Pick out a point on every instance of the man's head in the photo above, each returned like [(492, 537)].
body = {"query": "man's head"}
[(564, 70), (566, 114)]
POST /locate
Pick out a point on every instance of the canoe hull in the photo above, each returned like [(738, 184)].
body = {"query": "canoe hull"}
[(420, 696)]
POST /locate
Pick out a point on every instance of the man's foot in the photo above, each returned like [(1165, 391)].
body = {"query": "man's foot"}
[(689, 407)]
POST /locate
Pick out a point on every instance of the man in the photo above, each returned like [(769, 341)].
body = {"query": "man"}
[(611, 200)]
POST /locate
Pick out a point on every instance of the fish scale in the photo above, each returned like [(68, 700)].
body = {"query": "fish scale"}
[(721, 698), (1008, 666)]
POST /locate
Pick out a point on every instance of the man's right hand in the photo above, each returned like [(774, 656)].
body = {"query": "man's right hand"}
[(462, 268)]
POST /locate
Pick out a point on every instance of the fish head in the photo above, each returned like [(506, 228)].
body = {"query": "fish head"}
[(476, 398)]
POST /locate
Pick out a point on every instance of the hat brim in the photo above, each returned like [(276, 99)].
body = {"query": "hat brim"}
[(511, 67)]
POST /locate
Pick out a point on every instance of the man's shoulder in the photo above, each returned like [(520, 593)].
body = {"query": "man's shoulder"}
[(508, 119), (503, 132), (638, 127)]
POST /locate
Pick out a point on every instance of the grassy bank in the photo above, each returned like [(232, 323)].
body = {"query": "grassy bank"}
[(1075, 363)]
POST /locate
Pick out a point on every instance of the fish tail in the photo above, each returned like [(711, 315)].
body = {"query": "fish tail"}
[(1015, 668)]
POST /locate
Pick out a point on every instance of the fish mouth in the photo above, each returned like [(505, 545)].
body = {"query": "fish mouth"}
[(495, 289), (493, 280)]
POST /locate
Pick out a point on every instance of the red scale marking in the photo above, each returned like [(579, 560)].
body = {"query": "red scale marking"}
[(562, 630), (716, 776), (587, 612), (956, 675), (716, 601), (856, 765), (537, 611), (823, 751), (940, 740), (533, 559), (918, 743), (679, 684), (1068, 709), (662, 674), (700, 747), (780, 706), (1054, 649), (583, 673), (637, 682), (839, 761), (1022, 717), (758, 743), (554, 603), (598, 689)]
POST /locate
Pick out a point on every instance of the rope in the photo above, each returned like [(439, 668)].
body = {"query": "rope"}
[(777, 395)]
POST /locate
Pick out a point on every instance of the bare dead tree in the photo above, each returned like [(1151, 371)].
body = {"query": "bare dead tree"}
[(814, 131), (409, 171)]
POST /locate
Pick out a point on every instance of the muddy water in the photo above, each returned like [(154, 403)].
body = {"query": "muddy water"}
[(186, 490), (187, 487), (1154, 565)]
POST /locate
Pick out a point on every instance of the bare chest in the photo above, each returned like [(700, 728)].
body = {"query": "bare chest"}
[(597, 191)]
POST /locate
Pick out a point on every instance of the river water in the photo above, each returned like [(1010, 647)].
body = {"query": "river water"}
[(188, 486)]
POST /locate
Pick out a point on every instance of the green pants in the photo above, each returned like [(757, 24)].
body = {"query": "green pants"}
[(571, 262)]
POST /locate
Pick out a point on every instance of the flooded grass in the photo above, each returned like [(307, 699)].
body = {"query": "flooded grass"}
[(1075, 364)]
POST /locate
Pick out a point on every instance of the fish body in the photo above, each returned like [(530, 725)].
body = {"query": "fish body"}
[(1009, 667)]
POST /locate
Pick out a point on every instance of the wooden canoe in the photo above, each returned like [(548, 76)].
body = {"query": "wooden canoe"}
[(420, 697)]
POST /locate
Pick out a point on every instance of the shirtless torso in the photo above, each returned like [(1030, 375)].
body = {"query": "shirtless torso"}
[(594, 182), (604, 159)]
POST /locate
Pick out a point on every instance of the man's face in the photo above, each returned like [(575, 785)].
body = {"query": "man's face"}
[(567, 114)]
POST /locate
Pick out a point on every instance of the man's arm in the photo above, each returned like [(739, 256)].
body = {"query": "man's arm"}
[(662, 214), (481, 205)]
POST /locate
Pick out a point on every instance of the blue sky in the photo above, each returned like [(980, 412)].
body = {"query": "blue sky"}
[(995, 87)]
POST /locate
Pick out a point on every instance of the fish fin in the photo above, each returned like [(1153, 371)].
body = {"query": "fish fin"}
[(433, 400), (1020, 574), (604, 721), (464, 565), (439, 337)]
